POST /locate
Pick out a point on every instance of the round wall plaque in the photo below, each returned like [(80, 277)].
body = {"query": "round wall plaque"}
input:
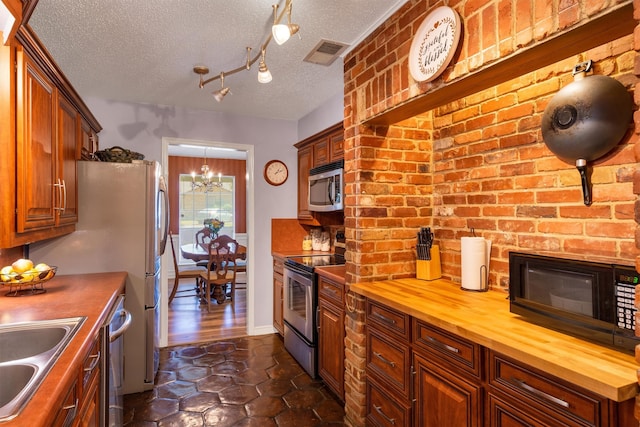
[(434, 44)]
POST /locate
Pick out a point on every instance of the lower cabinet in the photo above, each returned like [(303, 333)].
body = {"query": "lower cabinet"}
[(278, 298), (81, 407), (443, 398), (420, 375), (331, 334)]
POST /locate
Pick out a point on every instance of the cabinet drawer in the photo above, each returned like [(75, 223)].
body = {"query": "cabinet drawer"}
[(331, 290), (385, 410), (547, 393), (388, 320), (389, 360), (458, 352), (91, 365), (278, 266)]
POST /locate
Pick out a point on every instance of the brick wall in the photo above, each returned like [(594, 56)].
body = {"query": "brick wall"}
[(476, 162)]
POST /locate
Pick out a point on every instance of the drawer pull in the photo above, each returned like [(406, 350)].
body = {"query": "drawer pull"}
[(382, 414), (540, 393), (333, 291), (384, 359), (443, 345), (385, 319), (94, 362)]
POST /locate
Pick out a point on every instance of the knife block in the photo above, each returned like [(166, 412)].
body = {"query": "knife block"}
[(429, 269)]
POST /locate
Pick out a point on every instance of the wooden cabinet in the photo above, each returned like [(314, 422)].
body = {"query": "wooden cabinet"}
[(305, 163), (88, 141), (39, 187), (67, 413), (447, 383), (322, 148), (389, 367), (421, 375), (331, 334), (278, 297), (45, 123), (524, 392), (47, 141), (89, 384), (81, 407)]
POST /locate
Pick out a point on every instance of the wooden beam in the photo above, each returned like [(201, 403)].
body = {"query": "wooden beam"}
[(612, 25)]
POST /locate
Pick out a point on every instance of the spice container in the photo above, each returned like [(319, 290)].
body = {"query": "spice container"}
[(307, 243)]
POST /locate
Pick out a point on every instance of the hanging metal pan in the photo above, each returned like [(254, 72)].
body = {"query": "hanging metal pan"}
[(586, 119)]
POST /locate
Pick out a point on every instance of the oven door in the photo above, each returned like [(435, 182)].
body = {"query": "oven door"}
[(299, 302)]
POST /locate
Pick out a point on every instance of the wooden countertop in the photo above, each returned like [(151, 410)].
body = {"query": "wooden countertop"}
[(484, 318), (89, 295)]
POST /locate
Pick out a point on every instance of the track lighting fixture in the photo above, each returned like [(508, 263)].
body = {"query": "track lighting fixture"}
[(223, 91), (279, 32), (264, 75), (282, 32)]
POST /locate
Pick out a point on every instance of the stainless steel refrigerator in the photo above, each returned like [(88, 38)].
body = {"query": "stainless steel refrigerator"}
[(122, 226)]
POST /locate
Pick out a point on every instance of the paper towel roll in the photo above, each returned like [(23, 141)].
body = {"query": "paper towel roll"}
[(476, 252)]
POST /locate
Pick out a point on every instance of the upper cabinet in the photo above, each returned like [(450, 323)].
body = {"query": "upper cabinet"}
[(50, 129), (322, 148)]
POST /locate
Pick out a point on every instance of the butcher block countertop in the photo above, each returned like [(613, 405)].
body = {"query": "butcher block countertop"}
[(89, 295), (484, 318)]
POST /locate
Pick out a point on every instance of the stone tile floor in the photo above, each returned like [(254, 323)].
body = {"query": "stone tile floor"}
[(249, 381)]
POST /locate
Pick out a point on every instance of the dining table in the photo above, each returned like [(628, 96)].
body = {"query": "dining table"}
[(197, 253)]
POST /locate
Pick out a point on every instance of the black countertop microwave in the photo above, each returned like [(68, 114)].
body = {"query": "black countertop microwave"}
[(590, 300), (326, 187)]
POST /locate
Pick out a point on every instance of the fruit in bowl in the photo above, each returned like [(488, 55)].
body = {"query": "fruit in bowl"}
[(23, 271)]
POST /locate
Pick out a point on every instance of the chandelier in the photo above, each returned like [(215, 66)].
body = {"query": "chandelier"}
[(206, 183), (279, 32)]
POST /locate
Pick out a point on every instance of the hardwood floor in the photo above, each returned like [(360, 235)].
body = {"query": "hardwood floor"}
[(189, 321)]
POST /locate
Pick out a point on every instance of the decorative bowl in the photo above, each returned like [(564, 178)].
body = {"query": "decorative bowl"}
[(29, 282)]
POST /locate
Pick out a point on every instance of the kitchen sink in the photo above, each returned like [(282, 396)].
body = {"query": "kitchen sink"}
[(27, 352)]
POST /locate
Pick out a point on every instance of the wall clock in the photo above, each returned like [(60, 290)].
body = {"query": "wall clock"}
[(434, 44), (276, 172)]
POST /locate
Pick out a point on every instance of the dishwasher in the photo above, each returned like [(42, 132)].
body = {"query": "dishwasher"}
[(111, 406)]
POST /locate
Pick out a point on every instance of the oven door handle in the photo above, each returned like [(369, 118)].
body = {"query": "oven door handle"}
[(123, 328)]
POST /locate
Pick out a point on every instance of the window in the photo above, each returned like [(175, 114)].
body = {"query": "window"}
[(196, 205)]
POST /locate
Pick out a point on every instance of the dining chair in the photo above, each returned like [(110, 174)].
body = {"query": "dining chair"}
[(203, 239), (220, 272), (181, 273)]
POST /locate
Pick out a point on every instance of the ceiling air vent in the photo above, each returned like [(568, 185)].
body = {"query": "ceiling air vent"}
[(325, 52)]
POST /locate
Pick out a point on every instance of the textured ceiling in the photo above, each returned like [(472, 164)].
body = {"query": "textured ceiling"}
[(145, 51)]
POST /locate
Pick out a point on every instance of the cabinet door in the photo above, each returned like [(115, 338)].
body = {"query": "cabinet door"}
[(277, 304), (37, 187), (278, 286), (68, 149), (305, 163), (331, 346), (88, 143), (443, 398), (321, 152), (336, 143)]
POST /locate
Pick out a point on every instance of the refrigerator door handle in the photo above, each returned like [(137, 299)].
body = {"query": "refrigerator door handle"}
[(162, 188)]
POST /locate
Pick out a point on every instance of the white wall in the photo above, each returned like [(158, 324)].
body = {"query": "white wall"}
[(328, 114)]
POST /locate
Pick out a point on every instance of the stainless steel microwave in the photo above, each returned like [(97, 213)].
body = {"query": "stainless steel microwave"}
[(591, 300), (326, 187)]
